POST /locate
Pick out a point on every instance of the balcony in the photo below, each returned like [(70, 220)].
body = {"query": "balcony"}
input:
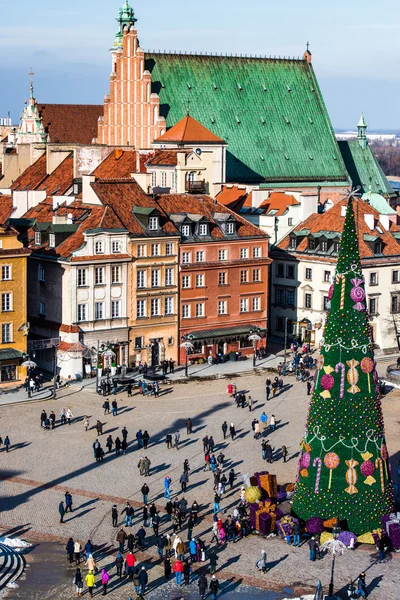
[(195, 187)]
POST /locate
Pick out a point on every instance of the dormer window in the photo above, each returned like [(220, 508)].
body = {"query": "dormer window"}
[(292, 244), (230, 228), (185, 230), (153, 223), (52, 240), (38, 238), (116, 247), (378, 248), (324, 246), (99, 247), (203, 229), (311, 244)]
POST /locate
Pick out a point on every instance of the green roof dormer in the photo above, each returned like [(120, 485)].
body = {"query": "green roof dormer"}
[(126, 17)]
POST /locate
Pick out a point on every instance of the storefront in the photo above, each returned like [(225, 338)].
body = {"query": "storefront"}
[(10, 361)]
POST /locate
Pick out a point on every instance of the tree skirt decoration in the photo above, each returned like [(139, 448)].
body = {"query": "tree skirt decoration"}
[(253, 494), (348, 472), (325, 536), (263, 516), (348, 538), (391, 524), (285, 525), (315, 525), (268, 484)]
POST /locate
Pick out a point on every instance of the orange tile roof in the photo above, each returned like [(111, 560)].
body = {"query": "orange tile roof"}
[(333, 221), (32, 176), (60, 180), (278, 201), (165, 158), (6, 208), (119, 163), (234, 197), (189, 131), (71, 123)]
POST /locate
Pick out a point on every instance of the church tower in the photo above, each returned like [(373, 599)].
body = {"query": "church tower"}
[(362, 132), (31, 129), (131, 110)]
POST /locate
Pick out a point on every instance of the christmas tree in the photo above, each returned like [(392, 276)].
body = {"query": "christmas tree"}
[(343, 470)]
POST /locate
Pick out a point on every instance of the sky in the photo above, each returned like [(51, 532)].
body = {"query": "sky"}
[(355, 46)]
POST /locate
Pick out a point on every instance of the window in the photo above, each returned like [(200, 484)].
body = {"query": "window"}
[(186, 257), (42, 308), (222, 307), (52, 240), (200, 310), (141, 308), (203, 229), (141, 250), (222, 278), (311, 243), (200, 256), (280, 324), (244, 276), (336, 247), (81, 312), (153, 223), (290, 271), (280, 272), (186, 281), (169, 249), (378, 248), (324, 246), (222, 254), (155, 278), (327, 276), (169, 306), (308, 300), (173, 179), (98, 275), (185, 311), (155, 249), (41, 273), (395, 277), (257, 252), (373, 278), (256, 275), (116, 247), (38, 238), (82, 277), (280, 297), (326, 302), (139, 342), (154, 179), (395, 306), (199, 280), (141, 279), (290, 298), (185, 230), (292, 243), (230, 228), (373, 306), (244, 305), (169, 276), (155, 307), (115, 309), (163, 179), (116, 274), (308, 273), (99, 248), (6, 302), (256, 303), (290, 221), (6, 333), (244, 253), (6, 272), (98, 310)]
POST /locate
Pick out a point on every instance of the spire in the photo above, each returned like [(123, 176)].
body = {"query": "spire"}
[(31, 74), (307, 54), (343, 471), (362, 132), (126, 17)]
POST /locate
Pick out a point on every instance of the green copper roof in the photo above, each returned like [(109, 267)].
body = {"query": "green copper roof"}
[(379, 203), (126, 16), (361, 122), (269, 111), (364, 169)]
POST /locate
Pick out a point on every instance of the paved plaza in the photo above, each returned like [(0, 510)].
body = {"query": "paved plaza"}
[(42, 465)]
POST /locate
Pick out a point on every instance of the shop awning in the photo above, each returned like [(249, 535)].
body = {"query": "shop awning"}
[(219, 333), (10, 354)]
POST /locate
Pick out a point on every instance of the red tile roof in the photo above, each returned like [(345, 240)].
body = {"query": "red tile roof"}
[(165, 158), (278, 201), (60, 180), (333, 221), (32, 176), (119, 163), (71, 123), (234, 197), (6, 208), (189, 131)]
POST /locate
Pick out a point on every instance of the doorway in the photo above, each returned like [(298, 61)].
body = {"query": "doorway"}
[(155, 354)]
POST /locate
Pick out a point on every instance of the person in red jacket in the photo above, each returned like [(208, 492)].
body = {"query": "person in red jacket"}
[(130, 563), (178, 570)]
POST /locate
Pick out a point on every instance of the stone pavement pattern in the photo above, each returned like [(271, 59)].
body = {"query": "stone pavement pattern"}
[(45, 464)]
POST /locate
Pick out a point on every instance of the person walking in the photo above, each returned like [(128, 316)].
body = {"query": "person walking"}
[(309, 386), (106, 406), (167, 568), (143, 578), (130, 564), (78, 583), (267, 391), (146, 466), (232, 431), (296, 534), (211, 444), (99, 427), (186, 572), (224, 428), (68, 502), (43, 417), (121, 537), (114, 408), (189, 426), (195, 511), (214, 587), (90, 583), (119, 563), (145, 492), (114, 515), (272, 423), (167, 485), (177, 439), (168, 440), (69, 415), (313, 545), (184, 479), (86, 423), (205, 443), (203, 585), (61, 510), (362, 586), (63, 416), (117, 446), (262, 562), (284, 453), (77, 552), (136, 580), (146, 439), (129, 514), (105, 578), (213, 558), (70, 550), (178, 570), (139, 438)]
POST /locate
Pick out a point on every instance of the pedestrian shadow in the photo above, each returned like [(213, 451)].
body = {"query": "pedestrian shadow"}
[(159, 468), (230, 585), (188, 442), (280, 425), (295, 455), (195, 485), (17, 531), (109, 430), (88, 503), (275, 563), (19, 446), (166, 391), (198, 428), (231, 561), (241, 435), (81, 514)]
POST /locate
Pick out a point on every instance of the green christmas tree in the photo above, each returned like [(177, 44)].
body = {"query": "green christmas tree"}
[(344, 468)]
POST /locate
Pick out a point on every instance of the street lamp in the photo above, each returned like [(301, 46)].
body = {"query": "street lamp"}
[(188, 347), (336, 548), (285, 347), (254, 338)]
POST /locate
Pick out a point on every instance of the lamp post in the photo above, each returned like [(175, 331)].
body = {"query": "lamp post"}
[(29, 364), (285, 347), (188, 347), (254, 338), (335, 548)]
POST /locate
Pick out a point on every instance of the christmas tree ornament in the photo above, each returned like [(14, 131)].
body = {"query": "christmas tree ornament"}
[(345, 420)]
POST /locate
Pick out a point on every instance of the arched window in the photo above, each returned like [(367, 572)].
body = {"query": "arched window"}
[(155, 110), (148, 92)]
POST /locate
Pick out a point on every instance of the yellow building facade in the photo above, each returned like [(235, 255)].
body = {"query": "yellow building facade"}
[(153, 300), (13, 305)]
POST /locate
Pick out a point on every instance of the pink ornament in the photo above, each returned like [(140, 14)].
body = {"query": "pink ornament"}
[(367, 468), (317, 461), (331, 460), (359, 306), (367, 366), (330, 293), (305, 460), (342, 368), (327, 381), (357, 294)]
